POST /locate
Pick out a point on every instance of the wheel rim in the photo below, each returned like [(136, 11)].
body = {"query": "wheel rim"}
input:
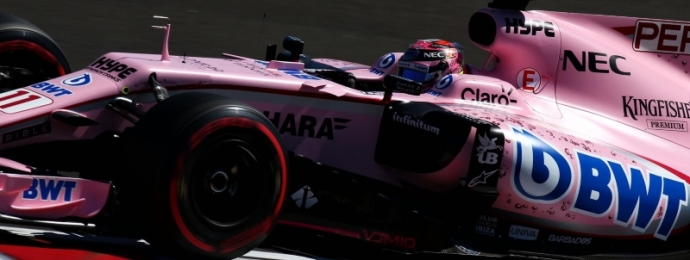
[(28, 55), (227, 185)]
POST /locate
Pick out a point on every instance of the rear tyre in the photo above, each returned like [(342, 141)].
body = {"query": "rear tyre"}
[(214, 176), (23, 45)]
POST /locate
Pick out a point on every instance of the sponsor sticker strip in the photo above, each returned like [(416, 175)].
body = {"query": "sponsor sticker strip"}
[(27, 132), (523, 233), (18, 100), (661, 37), (50, 189), (307, 125), (634, 107), (529, 27), (631, 194), (111, 69)]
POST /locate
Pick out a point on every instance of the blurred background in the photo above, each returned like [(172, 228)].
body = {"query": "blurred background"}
[(356, 30)]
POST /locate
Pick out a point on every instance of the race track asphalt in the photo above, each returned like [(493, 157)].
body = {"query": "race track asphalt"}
[(356, 30)]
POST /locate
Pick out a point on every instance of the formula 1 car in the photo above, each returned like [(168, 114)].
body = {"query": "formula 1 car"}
[(570, 142)]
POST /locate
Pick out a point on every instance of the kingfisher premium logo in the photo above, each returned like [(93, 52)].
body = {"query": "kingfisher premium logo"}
[(634, 107), (667, 125)]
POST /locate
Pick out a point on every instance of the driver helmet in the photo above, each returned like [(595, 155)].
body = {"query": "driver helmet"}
[(428, 60)]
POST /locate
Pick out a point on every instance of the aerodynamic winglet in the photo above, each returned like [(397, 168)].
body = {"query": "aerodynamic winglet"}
[(165, 56)]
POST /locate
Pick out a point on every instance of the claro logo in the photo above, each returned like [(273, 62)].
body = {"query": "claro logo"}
[(483, 97)]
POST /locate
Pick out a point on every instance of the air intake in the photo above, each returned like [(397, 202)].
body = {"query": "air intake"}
[(482, 29)]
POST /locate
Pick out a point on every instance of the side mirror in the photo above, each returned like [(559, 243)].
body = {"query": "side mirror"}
[(270, 52), (294, 45), (159, 92), (397, 83)]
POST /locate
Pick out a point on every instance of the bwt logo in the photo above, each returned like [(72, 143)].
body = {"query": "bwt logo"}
[(541, 174), (49, 190), (51, 88)]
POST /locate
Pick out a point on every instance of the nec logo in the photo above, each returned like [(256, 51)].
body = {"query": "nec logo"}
[(306, 125), (590, 61), (531, 27), (434, 55)]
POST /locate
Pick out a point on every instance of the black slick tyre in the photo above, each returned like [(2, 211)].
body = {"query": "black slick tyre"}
[(212, 175), (24, 45)]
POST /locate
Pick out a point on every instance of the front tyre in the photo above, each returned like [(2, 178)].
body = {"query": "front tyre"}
[(25, 46), (217, 173)]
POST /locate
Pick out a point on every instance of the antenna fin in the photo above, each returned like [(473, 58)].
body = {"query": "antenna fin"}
[(261, 31), (165, 55)]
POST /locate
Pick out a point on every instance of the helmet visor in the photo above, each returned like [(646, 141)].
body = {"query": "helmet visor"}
[(415, 75), (415, 71)]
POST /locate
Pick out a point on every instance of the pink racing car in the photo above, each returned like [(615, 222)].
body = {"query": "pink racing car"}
[(571, 141)]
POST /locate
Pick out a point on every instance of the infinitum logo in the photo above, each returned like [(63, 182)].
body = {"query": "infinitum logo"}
[(414, 122)]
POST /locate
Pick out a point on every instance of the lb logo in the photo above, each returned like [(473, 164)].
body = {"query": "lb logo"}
[(80, 80), (387, 61), (444, 82)]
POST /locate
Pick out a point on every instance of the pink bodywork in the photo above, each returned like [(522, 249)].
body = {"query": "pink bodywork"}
[(527, 93)]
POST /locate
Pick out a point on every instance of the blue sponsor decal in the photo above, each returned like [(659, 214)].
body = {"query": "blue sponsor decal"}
[(300, 74), (46, 189), (295, 73), (376, 71), (412, 52), (80, 80), (434, 93), (542, 174), (51, 89), (444, 82), (386, 61)]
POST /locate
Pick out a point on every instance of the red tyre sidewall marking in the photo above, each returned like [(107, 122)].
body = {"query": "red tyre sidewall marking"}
[(263, 226), (35, 48)]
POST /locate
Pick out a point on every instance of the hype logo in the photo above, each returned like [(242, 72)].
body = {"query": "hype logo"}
[(541, 174)]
